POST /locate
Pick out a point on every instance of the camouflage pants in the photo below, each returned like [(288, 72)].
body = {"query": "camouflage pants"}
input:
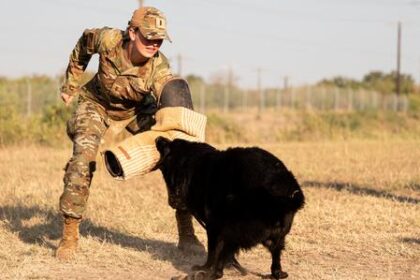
[(86, 128)]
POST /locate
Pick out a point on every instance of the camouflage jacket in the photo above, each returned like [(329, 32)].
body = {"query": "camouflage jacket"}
[(122, 89)]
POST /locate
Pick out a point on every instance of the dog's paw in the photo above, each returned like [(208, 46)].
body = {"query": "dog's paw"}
[(279, 275)]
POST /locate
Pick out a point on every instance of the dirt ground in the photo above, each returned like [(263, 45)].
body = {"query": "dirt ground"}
[(361, 219)]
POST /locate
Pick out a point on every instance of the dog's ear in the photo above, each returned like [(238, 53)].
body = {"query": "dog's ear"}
[(162, 145)]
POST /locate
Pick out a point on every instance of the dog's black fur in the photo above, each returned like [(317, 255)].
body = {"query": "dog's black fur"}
[(242, 196)]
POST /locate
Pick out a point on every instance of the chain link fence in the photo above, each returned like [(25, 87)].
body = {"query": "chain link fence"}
[(225, 99), (30, 96)]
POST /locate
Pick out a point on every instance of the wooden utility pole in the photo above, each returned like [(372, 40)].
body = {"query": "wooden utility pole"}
[(398, 78)]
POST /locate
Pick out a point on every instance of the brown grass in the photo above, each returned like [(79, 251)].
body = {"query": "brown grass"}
[(361, 220)]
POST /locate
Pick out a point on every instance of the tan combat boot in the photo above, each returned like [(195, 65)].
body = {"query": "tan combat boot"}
[(68, 244), (187, 238)]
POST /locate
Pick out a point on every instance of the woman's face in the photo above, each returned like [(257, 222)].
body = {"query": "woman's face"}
[(147, 48)]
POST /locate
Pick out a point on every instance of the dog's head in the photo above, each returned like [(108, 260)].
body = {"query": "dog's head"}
[(179, 152), (173, 153), (171, 164), (177, 161), (163, 146)]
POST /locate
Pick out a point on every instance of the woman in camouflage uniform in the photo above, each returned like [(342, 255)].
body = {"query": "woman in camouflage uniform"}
[(130, 77)]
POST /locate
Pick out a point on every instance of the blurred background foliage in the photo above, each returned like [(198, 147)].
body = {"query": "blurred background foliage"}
[(32, 112)]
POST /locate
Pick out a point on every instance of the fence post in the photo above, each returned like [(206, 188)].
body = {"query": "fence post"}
[(244, 99), (28, 97), (350, 99), (57, 87), (336, 99), (226, 99), (308, 97), (394, 102), (322, 105), (404, 103), (374, 95), (363, 100), (278, 100), (262, 99), (202, 98), (292, 97)]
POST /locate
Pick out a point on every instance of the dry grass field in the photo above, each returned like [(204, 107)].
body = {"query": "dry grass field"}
[(361, 220)]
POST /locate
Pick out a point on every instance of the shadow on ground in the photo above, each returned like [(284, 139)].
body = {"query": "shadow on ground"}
[(16, 217), (361, 190), (410, 240)]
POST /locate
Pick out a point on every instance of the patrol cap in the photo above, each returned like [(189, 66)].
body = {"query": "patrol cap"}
[(151, 22)]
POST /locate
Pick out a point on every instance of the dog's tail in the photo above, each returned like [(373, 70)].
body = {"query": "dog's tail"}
[(269, 205), (295, 201), (278, 206), (286, 191), (284, 204)]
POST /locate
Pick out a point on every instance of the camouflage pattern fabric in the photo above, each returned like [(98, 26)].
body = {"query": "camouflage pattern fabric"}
[(119, 91), (122, 89), (85, 128)]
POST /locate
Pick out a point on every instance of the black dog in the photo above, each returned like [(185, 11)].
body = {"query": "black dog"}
[(242, 196)]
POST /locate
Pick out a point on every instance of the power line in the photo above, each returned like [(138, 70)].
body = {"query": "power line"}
[(415, 3), (284, 40), (84, 5), (285, 13)]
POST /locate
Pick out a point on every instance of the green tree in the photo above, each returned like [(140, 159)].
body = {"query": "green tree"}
[(341, 82), (386, 82), (192, 79)]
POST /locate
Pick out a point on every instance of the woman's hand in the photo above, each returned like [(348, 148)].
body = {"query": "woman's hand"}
[(66, 98)]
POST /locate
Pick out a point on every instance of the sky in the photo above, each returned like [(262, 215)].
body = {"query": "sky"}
[(304, 40)]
